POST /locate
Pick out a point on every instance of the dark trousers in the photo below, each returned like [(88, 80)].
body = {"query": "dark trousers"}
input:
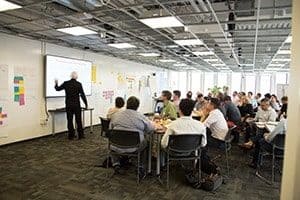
[(71, 111), (260, 145)]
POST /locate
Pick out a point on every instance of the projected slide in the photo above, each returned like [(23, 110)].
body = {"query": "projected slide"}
[(60, 68)]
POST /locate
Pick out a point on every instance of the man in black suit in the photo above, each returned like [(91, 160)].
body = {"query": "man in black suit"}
[(73, 90)]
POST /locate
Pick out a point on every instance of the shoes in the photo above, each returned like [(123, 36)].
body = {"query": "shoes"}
[(252, 165), (142, 173), (119, 170), (81, 137), (71, 137)]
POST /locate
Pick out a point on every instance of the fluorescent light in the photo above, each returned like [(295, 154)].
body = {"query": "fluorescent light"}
[(5, 5), (203, 53), (149, 54), (172, 46), (276, 65), (179, 65), (122, 45), (189, 42), (77, 30), (162, 22), (167, 60), (284, 52), (289, 39), (212, 60), (277, 69), (281, 60), (218, 64)]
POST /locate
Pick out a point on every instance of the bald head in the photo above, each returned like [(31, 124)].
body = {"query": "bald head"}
[(74, 75)]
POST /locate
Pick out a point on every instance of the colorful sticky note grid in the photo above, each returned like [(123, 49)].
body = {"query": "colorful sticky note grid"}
[(19, 90)]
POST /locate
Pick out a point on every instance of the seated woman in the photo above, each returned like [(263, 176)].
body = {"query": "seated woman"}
[(119, 104), (265, 142), (246, 108), (275, 104)]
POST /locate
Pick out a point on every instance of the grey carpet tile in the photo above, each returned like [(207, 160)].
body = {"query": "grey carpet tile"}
[(54, 168)]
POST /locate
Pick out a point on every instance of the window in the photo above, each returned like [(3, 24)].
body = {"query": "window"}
[(196, 82), (174, 81), (265, 84), (250, 83), (208, 82), (281, 78), (182, 83), (236, 82), (222, 79)]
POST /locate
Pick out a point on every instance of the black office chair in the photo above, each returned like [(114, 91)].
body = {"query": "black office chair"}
[(277, 152), (125, 140), (228, 139), (104, 125), (184, 147), (198, 118)]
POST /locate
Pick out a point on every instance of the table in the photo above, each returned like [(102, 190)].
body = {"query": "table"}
[(270, 126), (53, 112)]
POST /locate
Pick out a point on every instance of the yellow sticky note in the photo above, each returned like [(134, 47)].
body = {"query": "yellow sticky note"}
[(21, 82), (94, 73), (21, 90)]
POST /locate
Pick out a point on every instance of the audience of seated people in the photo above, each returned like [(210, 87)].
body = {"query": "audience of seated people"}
[(214, 123), (119, 104)]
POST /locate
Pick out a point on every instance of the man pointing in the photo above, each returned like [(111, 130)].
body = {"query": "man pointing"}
[(73, 90)]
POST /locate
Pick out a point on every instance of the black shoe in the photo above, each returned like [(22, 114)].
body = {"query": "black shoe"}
[(81, 137), (252, 165), (71, 137), (142, 173), (119, 170)]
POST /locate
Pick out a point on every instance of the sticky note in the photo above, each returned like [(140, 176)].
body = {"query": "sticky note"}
[(16, 89), (22, 99), (0, 109), (21, 90), (17, 97), (1, 122), (4, 115), (21, 82)]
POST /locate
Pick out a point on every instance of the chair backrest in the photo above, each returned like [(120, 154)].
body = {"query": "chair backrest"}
[(196, 118), (184, 143), (104, 124), (228, 136), (124, 139), (278, 141)]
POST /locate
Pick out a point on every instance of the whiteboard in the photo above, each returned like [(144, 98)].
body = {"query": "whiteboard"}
[(60, 68)]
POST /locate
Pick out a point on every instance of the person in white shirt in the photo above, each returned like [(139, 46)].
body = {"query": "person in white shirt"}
[(265, 142), (235, 98), (119, 104), (265, 113), (216, 124), (252, 100), (176, 99), (185, 124)]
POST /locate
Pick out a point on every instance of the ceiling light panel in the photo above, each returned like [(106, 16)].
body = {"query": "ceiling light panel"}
[(167, 60), (122, 45), (162, 22), (189, 42), (6, 5), (203, 53), (149, 54), (77, 31)]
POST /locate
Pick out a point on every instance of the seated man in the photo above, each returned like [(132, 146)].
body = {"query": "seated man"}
[(185, 124), (131, 120), (265, 113), (216, 123), (266, 142), (176, 99), (169, 109), (232, 112), (119, 104)]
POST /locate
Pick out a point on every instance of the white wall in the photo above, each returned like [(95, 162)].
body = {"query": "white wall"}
[(25, 57)]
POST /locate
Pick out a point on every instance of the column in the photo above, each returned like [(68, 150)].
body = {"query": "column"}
[(291, 169)]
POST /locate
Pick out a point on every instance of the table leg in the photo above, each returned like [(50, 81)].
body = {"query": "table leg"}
[(53, 123), (91, 121), (158, 155), (150, 153)]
